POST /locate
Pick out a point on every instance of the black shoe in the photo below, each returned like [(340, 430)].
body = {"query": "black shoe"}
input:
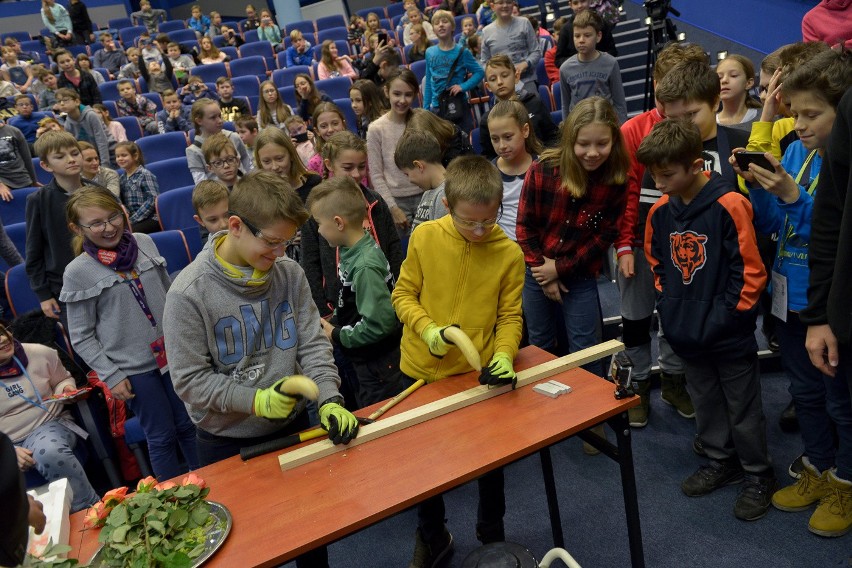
[(431, 554), (486, 533), (788, 421), (755, 497), (797, 467), (712, 476), (698, 446), (772, 343)]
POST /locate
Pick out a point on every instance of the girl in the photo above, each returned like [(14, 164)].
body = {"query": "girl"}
[(368, 104), (739, 108), (307, 95), (568, 216), (113, 127), (56, 19), (374, 24), (399, 193), (416, 17), (516, 146), (19, 72), (70, 77), (271, 109), (44, 434), (139, 188), (206, 119), (302, 138), (85, 64), (210, 53), (115, 292), (328, 119), (334, 65), (81, 24), (92, 170), (419, 44), (268, 31), (251, 22), (453, 140)]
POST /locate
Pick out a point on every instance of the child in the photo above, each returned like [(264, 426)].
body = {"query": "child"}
[(468, 25), (418, 156), (516, 38), (215, 25), (16, 167), (181, 63), (85, 124), (419, 44), (70, 77), (26, 121), (57, 21), (251, 22), (307, 95), (148, 17), (174, 117), (415, 17), (114, 128), (271, 109), (299, 52), (486, 270), (102, 311), (93, 171), (454, 142), (247, 131), (701, 246), (85, 64), (398, 192), (159, 78), (501, 79), (132, 104), (198, 22), (151, 51), (739, 109), (363, 324), (31, 57), (222, 160), (516, 146), (194, 90), (232, 39), (345, 155), (19, 71), (485, 14), (274, 152), (328, 119), (139, 188), (110, 57), (131, 69), (783, 204), (441, 61), (381, 66), (357, 26), (269, 31), (47, 235), (368, 103), (232, 108), (210, 53), (550, 55), (210, 203), (334, 65), (47, 98), (48, 124), (565, 47), (301, 138), (591, 72), (206, 119)]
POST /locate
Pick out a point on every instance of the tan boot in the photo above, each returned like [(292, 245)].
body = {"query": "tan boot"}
[(638, 415), (673, 392), (833, 516), (809, 489), (589, 449)]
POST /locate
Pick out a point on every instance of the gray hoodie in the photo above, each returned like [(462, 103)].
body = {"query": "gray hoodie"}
[(227, 337), (90, 128)]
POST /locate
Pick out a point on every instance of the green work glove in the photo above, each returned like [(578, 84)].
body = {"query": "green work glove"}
[(499, 371), (433, 336), (341, 425), (270, 403)]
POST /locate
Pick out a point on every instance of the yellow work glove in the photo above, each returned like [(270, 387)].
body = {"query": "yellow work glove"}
[(433, 336), (499, 371), (273, 404), (341, 425)]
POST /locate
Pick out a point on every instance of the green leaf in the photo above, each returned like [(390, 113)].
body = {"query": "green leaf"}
[(200, 515), (178, 518), (157, 525), (119, 534)]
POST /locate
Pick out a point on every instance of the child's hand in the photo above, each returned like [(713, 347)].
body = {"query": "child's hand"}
[(123, 390), (546, 273), (822, 349), (327, 328), (772, 102), (5, 192), (746, 175), (779, 183), (25, 458), (399, 217), (50, 308), (455, 89), (627, 265), (554, 290)]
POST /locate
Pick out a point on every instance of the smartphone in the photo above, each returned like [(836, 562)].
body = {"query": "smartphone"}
[(383, 37), (745, 158), (299, 138)]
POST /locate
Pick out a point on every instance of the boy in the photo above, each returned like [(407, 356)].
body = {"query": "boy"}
[(148, 17), (565, 46), (380, 66), (27, 120), (364, 323), (195, 89), (181, 63), (222, 160), (210, 203), (515, 37), (487, 272), (47, 98), (131, 69), (591, 72), (47, 236), (502, 80), (159, 78), (550, 55), (110, 57), (299, 52), (85, 124), (701, 246), (132, 104), (174, 117), (232, 108), (215, 24), (247, 130), (152, 51), (16, 163), (418, 156), (31, 57), (232, 39)]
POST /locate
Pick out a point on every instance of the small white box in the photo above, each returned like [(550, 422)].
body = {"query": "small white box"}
[(547, 389)]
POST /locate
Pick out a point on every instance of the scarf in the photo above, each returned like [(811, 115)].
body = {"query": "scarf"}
[(257, 278), (121, 258), (12, 369)]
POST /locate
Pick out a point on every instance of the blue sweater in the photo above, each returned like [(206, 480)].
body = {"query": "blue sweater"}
[(792, 222), (438, 63), (296, 58)]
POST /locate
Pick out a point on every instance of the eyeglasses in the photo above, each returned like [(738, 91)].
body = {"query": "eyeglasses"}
[(100, 227), (232, 161), (271, 245), (473, 225)]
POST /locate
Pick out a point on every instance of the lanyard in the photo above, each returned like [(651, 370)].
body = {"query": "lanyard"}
[(139, 293), (789, 232), (40, 401)]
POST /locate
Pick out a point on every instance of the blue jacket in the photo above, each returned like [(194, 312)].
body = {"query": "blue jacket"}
[(438, 63), (200, 25), (27, 126), (296, 58), (792, 222), (181, 123)]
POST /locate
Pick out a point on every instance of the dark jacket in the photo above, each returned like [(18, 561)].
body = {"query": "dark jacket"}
[(542, 124), (459, 146), (565, 48), (707, 270), (80, 21), (319, 259), (48, 240), (88, 89), (13, 523)]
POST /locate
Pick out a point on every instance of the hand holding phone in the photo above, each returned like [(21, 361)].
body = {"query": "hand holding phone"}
[(745, 158)]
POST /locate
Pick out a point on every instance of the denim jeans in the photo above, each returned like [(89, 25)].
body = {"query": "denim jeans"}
[(165, 422), (580, 310)]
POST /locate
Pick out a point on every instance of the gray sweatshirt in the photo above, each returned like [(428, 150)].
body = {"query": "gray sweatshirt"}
[(228, 335), (518, 40), (600, 77), (197, 165), (89, 127), (16, 163), (108, 328)]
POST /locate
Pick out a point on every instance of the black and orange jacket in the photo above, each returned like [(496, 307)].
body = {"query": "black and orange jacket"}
[(707, 271)]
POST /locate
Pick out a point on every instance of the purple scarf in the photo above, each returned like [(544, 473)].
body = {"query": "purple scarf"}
[(10, 368), (121, 258)]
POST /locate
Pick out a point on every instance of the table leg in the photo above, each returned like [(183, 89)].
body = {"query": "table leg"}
[(552, 497), (621, 426)]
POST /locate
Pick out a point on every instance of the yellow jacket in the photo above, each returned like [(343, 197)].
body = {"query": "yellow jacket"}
[(447, 280), (767, 136)]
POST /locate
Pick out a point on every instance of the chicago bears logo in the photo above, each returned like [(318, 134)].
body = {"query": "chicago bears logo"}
[(688, 253)]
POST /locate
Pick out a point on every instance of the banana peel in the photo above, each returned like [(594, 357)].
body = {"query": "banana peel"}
[(460, 339), (300, 385)]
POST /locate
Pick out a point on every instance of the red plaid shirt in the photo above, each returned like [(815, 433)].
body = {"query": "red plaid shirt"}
[(576, 232)]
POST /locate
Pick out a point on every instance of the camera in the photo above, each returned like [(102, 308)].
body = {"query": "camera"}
[(194, 88), (658, 10)]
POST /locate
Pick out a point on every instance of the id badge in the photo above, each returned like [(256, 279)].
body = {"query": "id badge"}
[(779, 296), (158, 348)]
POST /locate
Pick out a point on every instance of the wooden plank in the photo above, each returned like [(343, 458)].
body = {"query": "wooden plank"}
[(448, 404)]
